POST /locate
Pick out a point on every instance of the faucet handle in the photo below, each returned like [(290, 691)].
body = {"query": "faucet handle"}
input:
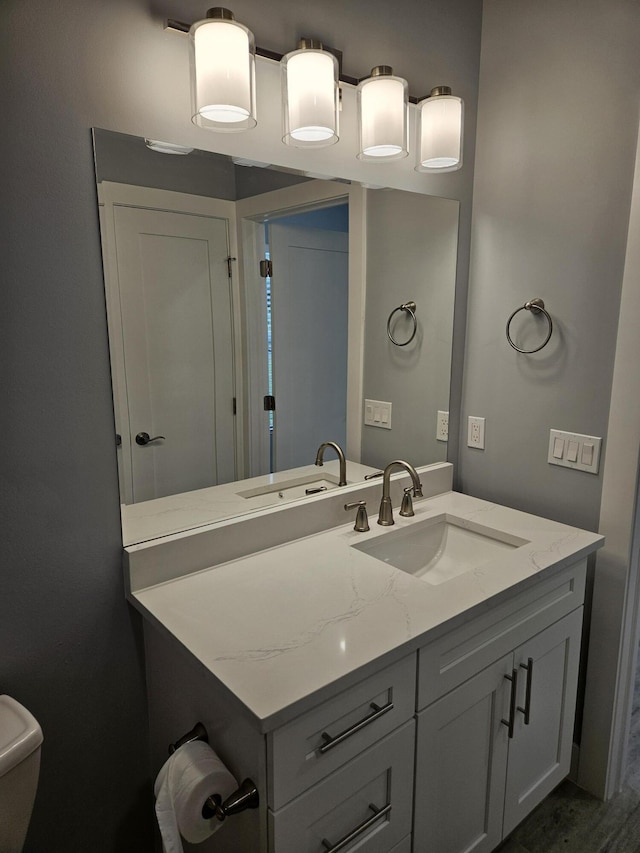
[(362, 520), (406, 509)]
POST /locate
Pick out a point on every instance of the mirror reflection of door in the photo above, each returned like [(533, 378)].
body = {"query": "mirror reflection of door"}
[(173, 284), (307, 314), (310, 299)]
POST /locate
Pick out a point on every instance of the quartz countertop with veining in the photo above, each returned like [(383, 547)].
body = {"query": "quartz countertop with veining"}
[(287, 623)]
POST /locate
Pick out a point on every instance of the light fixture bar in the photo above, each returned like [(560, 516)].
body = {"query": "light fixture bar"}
[(221, 106)]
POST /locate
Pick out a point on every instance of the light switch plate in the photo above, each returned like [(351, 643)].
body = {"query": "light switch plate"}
[(377, 413), (581, 452)]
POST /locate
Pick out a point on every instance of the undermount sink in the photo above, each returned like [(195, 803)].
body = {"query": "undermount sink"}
[(298, 487), (440, 548)]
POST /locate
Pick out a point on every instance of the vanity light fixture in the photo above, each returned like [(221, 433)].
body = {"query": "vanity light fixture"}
[(223, 95), (310, 96), (222, 73), (383, 115), (440, 122)]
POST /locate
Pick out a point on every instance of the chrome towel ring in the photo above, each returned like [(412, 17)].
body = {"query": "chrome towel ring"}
[(536, 306), (410, 308)]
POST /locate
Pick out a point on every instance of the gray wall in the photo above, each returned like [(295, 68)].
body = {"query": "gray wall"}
[(70, 645), (410, 256), (559, 99)]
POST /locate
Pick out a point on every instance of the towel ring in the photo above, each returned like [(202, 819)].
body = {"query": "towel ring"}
[(536, 306), (410, 308)]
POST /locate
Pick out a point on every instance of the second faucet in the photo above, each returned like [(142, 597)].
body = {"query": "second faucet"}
[(343, 461)]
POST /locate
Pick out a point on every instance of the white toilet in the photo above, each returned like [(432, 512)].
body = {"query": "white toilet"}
[(20, 739)]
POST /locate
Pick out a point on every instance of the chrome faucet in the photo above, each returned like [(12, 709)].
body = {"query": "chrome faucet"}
[(343, 461), (385, 516)]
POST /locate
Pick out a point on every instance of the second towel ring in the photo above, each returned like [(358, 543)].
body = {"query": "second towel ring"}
[(536, 306), (410, 308)]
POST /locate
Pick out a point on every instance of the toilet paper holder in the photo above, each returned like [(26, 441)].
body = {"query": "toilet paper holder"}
[(244, 797)]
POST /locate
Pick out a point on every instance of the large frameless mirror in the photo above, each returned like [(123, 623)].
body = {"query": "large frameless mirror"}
[(252, 311)]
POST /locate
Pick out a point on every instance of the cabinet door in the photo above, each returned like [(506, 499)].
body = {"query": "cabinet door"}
[(461, 764), (540, 751)]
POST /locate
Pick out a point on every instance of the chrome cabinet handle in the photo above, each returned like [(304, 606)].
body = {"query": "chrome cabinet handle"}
[(330, 742), (143, 438), (363, 827), (510, 723), (527, 696)]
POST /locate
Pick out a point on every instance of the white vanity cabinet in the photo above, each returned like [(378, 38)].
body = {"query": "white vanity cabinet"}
[(374, 711), (490, 749)]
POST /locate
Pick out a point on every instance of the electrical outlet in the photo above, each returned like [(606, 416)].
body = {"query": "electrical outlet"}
[(475, 433), (442, 427)]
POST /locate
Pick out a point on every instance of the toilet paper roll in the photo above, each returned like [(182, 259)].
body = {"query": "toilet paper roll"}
[(185, 781)]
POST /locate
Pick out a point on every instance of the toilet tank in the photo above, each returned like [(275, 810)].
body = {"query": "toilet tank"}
[(20, 739)]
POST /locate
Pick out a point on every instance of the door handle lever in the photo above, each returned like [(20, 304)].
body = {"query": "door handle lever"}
[(143, 438)]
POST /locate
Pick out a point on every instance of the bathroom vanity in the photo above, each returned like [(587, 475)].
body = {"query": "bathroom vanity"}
[(409, 688)]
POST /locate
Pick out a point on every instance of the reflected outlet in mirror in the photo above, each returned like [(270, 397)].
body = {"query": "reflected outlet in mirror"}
[(440, 548)]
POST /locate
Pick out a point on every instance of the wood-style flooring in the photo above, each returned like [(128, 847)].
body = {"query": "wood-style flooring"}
[(572, 821)]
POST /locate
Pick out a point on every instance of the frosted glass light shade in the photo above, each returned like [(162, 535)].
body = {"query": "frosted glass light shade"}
[(222, 75), (440, 124), (310, 98), (383, 117)]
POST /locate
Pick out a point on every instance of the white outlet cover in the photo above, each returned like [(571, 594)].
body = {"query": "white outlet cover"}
[(442, 426), (475, 432)]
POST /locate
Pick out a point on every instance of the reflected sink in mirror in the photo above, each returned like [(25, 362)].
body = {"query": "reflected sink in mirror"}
[(441, 548), (292, 489)]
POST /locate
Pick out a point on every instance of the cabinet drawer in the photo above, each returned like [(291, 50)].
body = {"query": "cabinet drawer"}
[(315, 744), (458, 655), (339, 811)]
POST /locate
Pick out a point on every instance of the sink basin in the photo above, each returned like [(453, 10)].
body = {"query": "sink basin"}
[(298, 487), (440, 548)]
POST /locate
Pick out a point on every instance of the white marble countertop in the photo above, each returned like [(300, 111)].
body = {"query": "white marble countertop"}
[(294, 621), (152, 519)]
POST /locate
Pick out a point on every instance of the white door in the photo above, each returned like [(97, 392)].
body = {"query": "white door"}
[(310, 303), (177, 335)]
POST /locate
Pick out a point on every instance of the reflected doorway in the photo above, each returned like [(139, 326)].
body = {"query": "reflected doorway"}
[(303, 309)]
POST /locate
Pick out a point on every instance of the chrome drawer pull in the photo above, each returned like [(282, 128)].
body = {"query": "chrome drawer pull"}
[(364, 826), (330, 742), (510, 723), (527, 697)]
